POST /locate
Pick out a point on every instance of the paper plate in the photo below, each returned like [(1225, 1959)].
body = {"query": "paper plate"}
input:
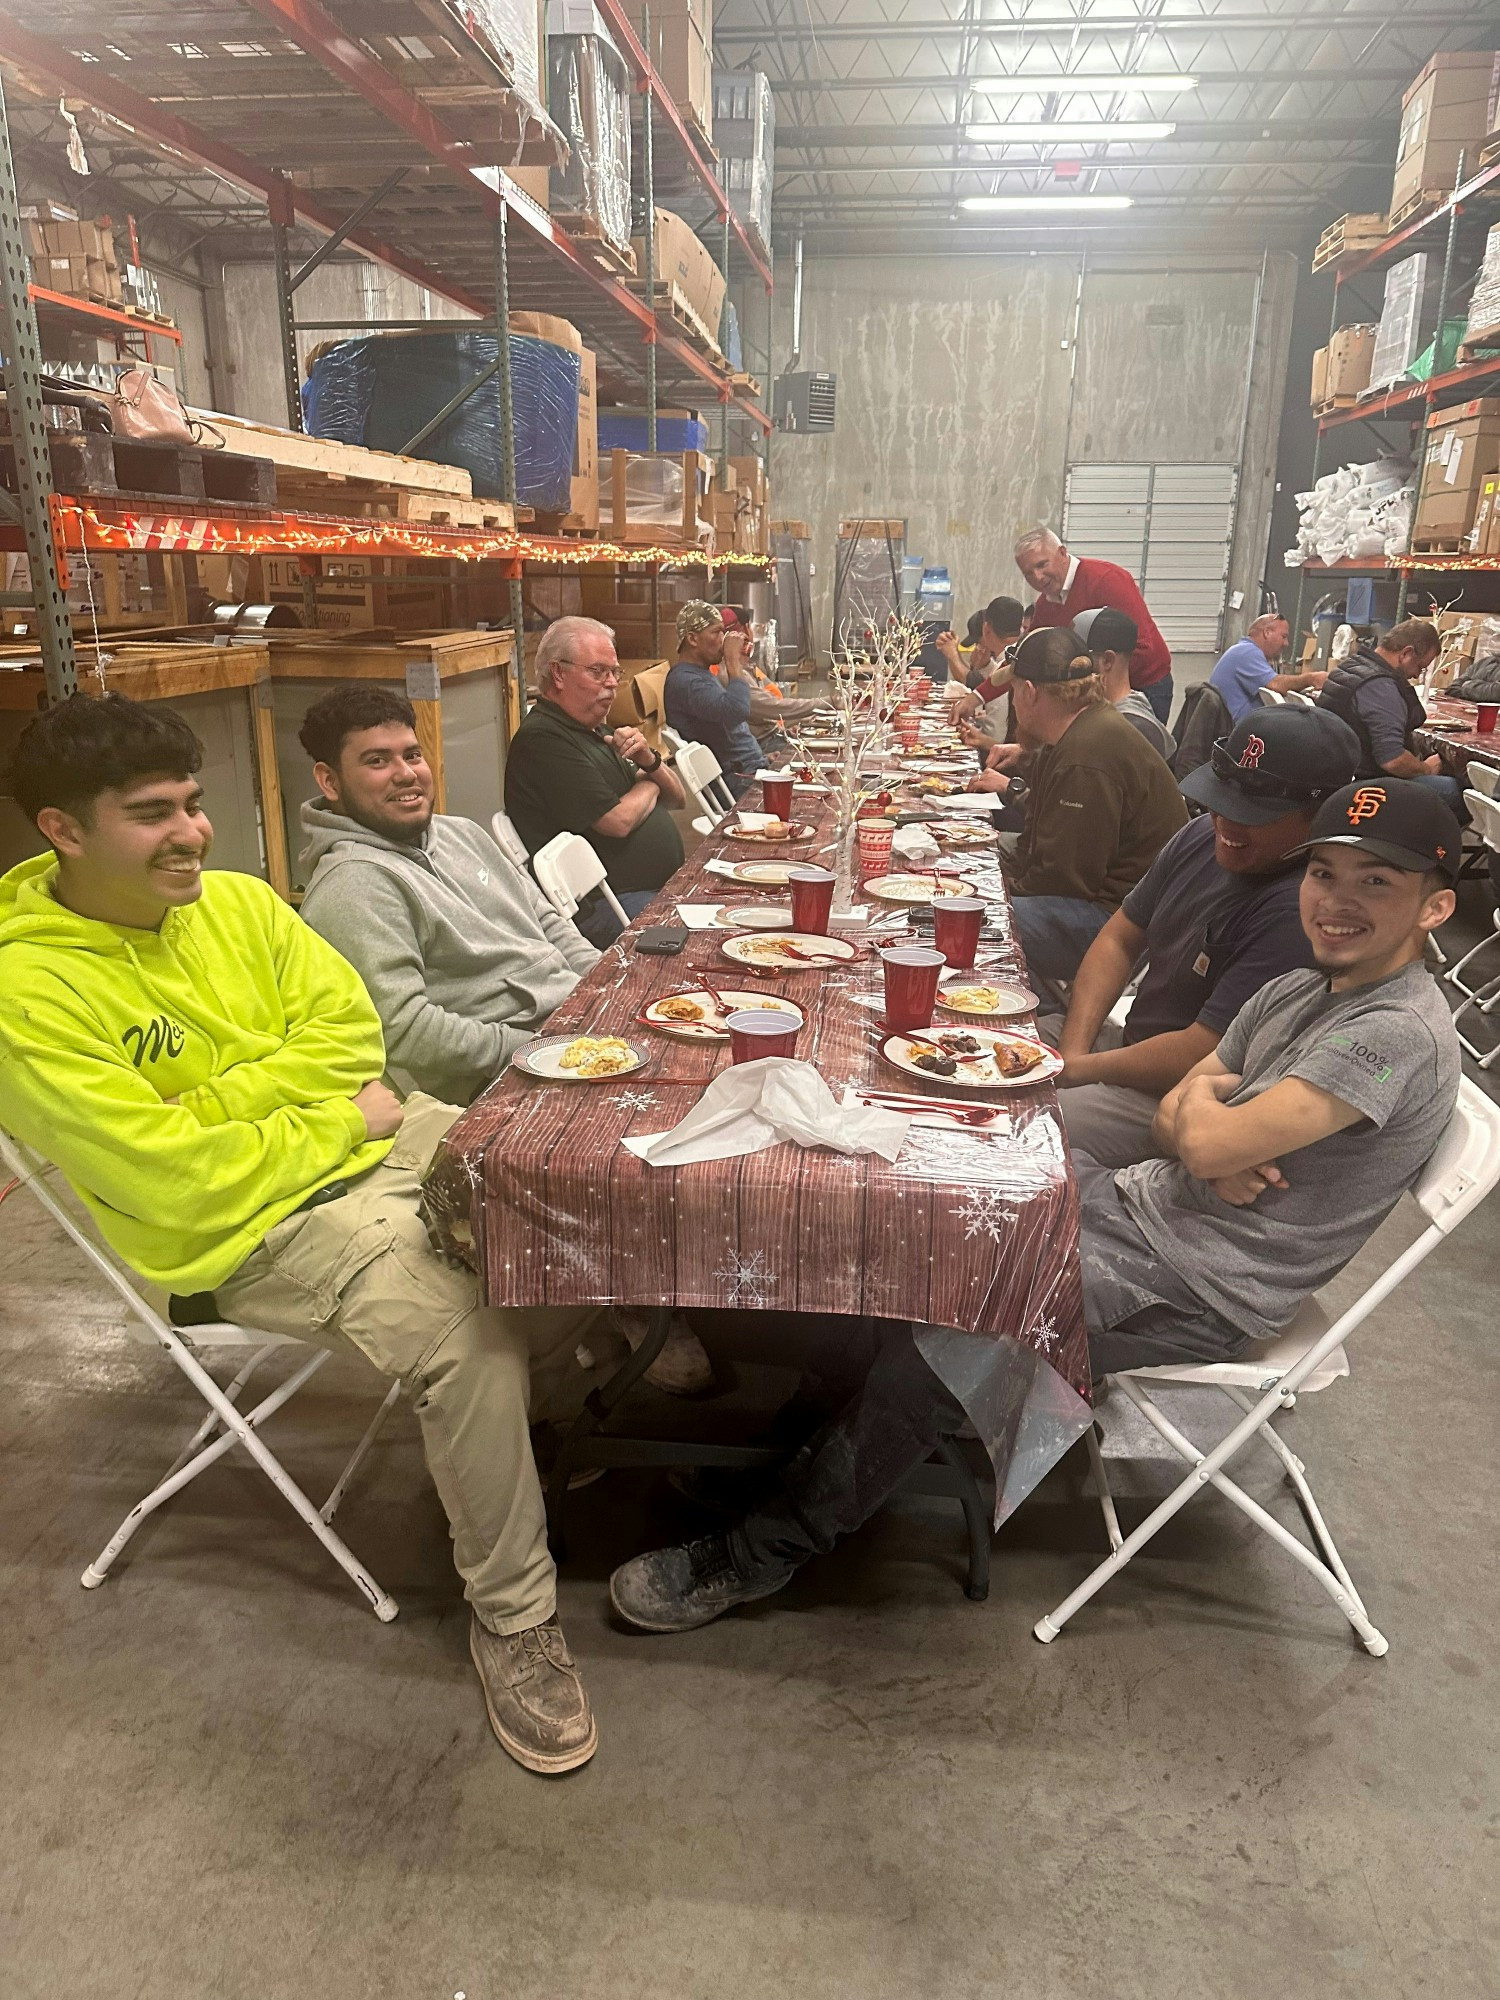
[(765, 874), (781, 951), (756, 916), (901, 1051), (904, 890), (543, 1059), (723, 1000), (1010, 998), (797, 834)]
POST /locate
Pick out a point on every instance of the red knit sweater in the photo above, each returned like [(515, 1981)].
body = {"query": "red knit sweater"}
[(1095, 585)]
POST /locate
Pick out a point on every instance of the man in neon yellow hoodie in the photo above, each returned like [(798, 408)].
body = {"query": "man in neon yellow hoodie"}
[(206, 1072)]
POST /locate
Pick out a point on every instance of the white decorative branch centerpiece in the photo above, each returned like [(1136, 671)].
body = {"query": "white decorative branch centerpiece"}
[(875, 673)]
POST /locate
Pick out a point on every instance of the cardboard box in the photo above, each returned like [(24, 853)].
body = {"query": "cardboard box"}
[(546, 326), (1484, 536), (1462, 451), (584, 514), (353, 594), (684, 262), (533, 181), (750, 477), (1319, 394), (680, 37), (1350, 352), (1444, 113)]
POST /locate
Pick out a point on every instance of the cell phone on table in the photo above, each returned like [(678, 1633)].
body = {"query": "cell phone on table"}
[(662, 940)]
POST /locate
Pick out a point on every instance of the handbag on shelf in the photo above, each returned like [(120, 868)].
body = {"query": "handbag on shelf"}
[(146, 411)]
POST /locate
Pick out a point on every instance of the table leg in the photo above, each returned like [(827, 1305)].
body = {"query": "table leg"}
[(976, 1518), (597, 1407)]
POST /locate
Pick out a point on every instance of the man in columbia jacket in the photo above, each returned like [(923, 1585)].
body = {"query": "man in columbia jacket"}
[(205, 1070)]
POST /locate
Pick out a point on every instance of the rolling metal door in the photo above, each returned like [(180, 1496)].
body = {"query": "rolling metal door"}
[(1172, 527)]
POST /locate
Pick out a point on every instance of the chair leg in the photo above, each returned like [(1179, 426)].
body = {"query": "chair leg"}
[(240, 1428), (976, 1518), (360, 1453), (596, 1408), (1101, 1480), (211, 1422), (1296, 1473)]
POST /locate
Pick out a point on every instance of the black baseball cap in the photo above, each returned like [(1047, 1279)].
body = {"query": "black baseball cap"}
[(1050, 654), (1396, 820), (1107, 630), (1273, 761)]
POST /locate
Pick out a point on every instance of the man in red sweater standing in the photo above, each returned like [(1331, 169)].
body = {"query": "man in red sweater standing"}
[(1066, 585)]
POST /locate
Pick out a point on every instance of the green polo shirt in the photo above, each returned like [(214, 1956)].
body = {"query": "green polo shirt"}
[(560, 777)]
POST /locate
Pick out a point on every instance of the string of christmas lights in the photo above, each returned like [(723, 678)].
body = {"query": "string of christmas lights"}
[(79, 526)]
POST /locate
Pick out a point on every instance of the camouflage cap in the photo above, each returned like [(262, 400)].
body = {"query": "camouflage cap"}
[(696, 616)]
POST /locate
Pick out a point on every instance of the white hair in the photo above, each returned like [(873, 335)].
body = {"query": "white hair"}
[(555, 648), (1039, 538)]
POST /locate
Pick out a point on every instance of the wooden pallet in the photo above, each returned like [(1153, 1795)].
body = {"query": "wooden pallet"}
[(1415, 205), (1482, 349), (1350, 236), (1489, 152), (747, 385), (1332, 403), (93, 462), (1440, 545), (592, 243), (674, 303)]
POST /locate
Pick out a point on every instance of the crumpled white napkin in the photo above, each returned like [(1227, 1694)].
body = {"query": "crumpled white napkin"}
[(754, 1105), (914, 843)]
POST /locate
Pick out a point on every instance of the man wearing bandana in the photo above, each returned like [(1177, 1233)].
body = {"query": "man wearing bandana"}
[(713, 709)]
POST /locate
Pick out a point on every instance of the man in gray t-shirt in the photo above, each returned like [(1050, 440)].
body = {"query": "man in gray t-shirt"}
[(1325, 1098)]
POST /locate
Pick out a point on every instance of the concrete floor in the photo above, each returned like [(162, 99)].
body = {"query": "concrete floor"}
[(222, 1777)]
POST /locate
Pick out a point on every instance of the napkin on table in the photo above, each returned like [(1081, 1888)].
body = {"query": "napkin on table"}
[(914, 843), (754, 1105)]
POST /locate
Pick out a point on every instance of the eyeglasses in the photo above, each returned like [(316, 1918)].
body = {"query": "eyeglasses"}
[(1257, 784), (600, 674)]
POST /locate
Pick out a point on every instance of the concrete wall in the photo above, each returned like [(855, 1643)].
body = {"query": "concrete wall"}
[(253, 373), (961, 398)]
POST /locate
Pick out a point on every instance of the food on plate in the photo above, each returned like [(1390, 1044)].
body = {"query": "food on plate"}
[(972, 999), (604, 1055), (959, 1045), (939, 1065), (677, 1007), (1016, 1058), (938, 787)]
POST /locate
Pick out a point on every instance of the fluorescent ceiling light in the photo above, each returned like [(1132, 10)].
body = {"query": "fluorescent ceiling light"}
[(1076, 84), (1056, 204), (1068, 131)]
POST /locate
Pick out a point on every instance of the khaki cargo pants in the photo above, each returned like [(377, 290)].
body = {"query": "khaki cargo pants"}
[(360, 1273)]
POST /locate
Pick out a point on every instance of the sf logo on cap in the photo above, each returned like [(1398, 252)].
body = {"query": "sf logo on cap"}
[(1366, 803), (1252, 753)]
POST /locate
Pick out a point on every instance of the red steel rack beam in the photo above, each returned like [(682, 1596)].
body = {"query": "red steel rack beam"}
[(1368, 259)]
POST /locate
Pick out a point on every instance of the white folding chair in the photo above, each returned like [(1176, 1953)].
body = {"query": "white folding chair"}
[(1307, 1355), (509, 842), (568, 869), (1483, 998), (1272, 698), (226, 1424), (1484, 777), (1294, 698), (703, 780)]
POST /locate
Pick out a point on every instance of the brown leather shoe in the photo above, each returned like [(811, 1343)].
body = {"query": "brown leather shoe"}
[(536, 1701)]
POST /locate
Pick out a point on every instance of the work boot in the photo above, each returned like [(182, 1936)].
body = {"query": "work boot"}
[(682, 1368), (537, 1704), (676, 1590)]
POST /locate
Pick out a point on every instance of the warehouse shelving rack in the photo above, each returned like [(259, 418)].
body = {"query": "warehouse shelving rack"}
[(1473, 204), (270, 88)]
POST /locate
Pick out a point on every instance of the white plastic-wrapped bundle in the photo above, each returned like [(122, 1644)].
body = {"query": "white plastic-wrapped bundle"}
[(1360, 513), (589, 99)]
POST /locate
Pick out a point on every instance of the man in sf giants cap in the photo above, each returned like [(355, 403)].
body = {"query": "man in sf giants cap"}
[(1216, 916), (1281, 1154)]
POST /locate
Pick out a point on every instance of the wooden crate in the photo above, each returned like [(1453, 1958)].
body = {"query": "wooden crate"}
[(690, 530), (462, 685), (1350, 236), (223, 693), (1415, 205)]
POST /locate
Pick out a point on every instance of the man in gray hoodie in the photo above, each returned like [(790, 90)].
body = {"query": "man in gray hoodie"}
[(462, 954)]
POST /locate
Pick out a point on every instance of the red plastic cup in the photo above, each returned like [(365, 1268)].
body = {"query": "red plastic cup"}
[(911, 983), (1489, 716), (875, 836), (759, 1032), (777, 794), (812, 899), (909, 729), (956, 924)]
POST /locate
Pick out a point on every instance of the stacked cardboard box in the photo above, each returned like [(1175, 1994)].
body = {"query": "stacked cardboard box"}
[(1484, 536), (1444, 114), (685, 265), (678, 38), (1342, 368), (70, 255), (1463, 451), (353, 593)]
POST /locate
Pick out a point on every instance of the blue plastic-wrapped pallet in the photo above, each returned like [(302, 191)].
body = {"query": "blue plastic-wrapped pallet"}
[(622, 432), (379, 392)]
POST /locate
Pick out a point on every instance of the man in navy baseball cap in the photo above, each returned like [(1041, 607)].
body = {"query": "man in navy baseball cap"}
[(1216, 916)]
